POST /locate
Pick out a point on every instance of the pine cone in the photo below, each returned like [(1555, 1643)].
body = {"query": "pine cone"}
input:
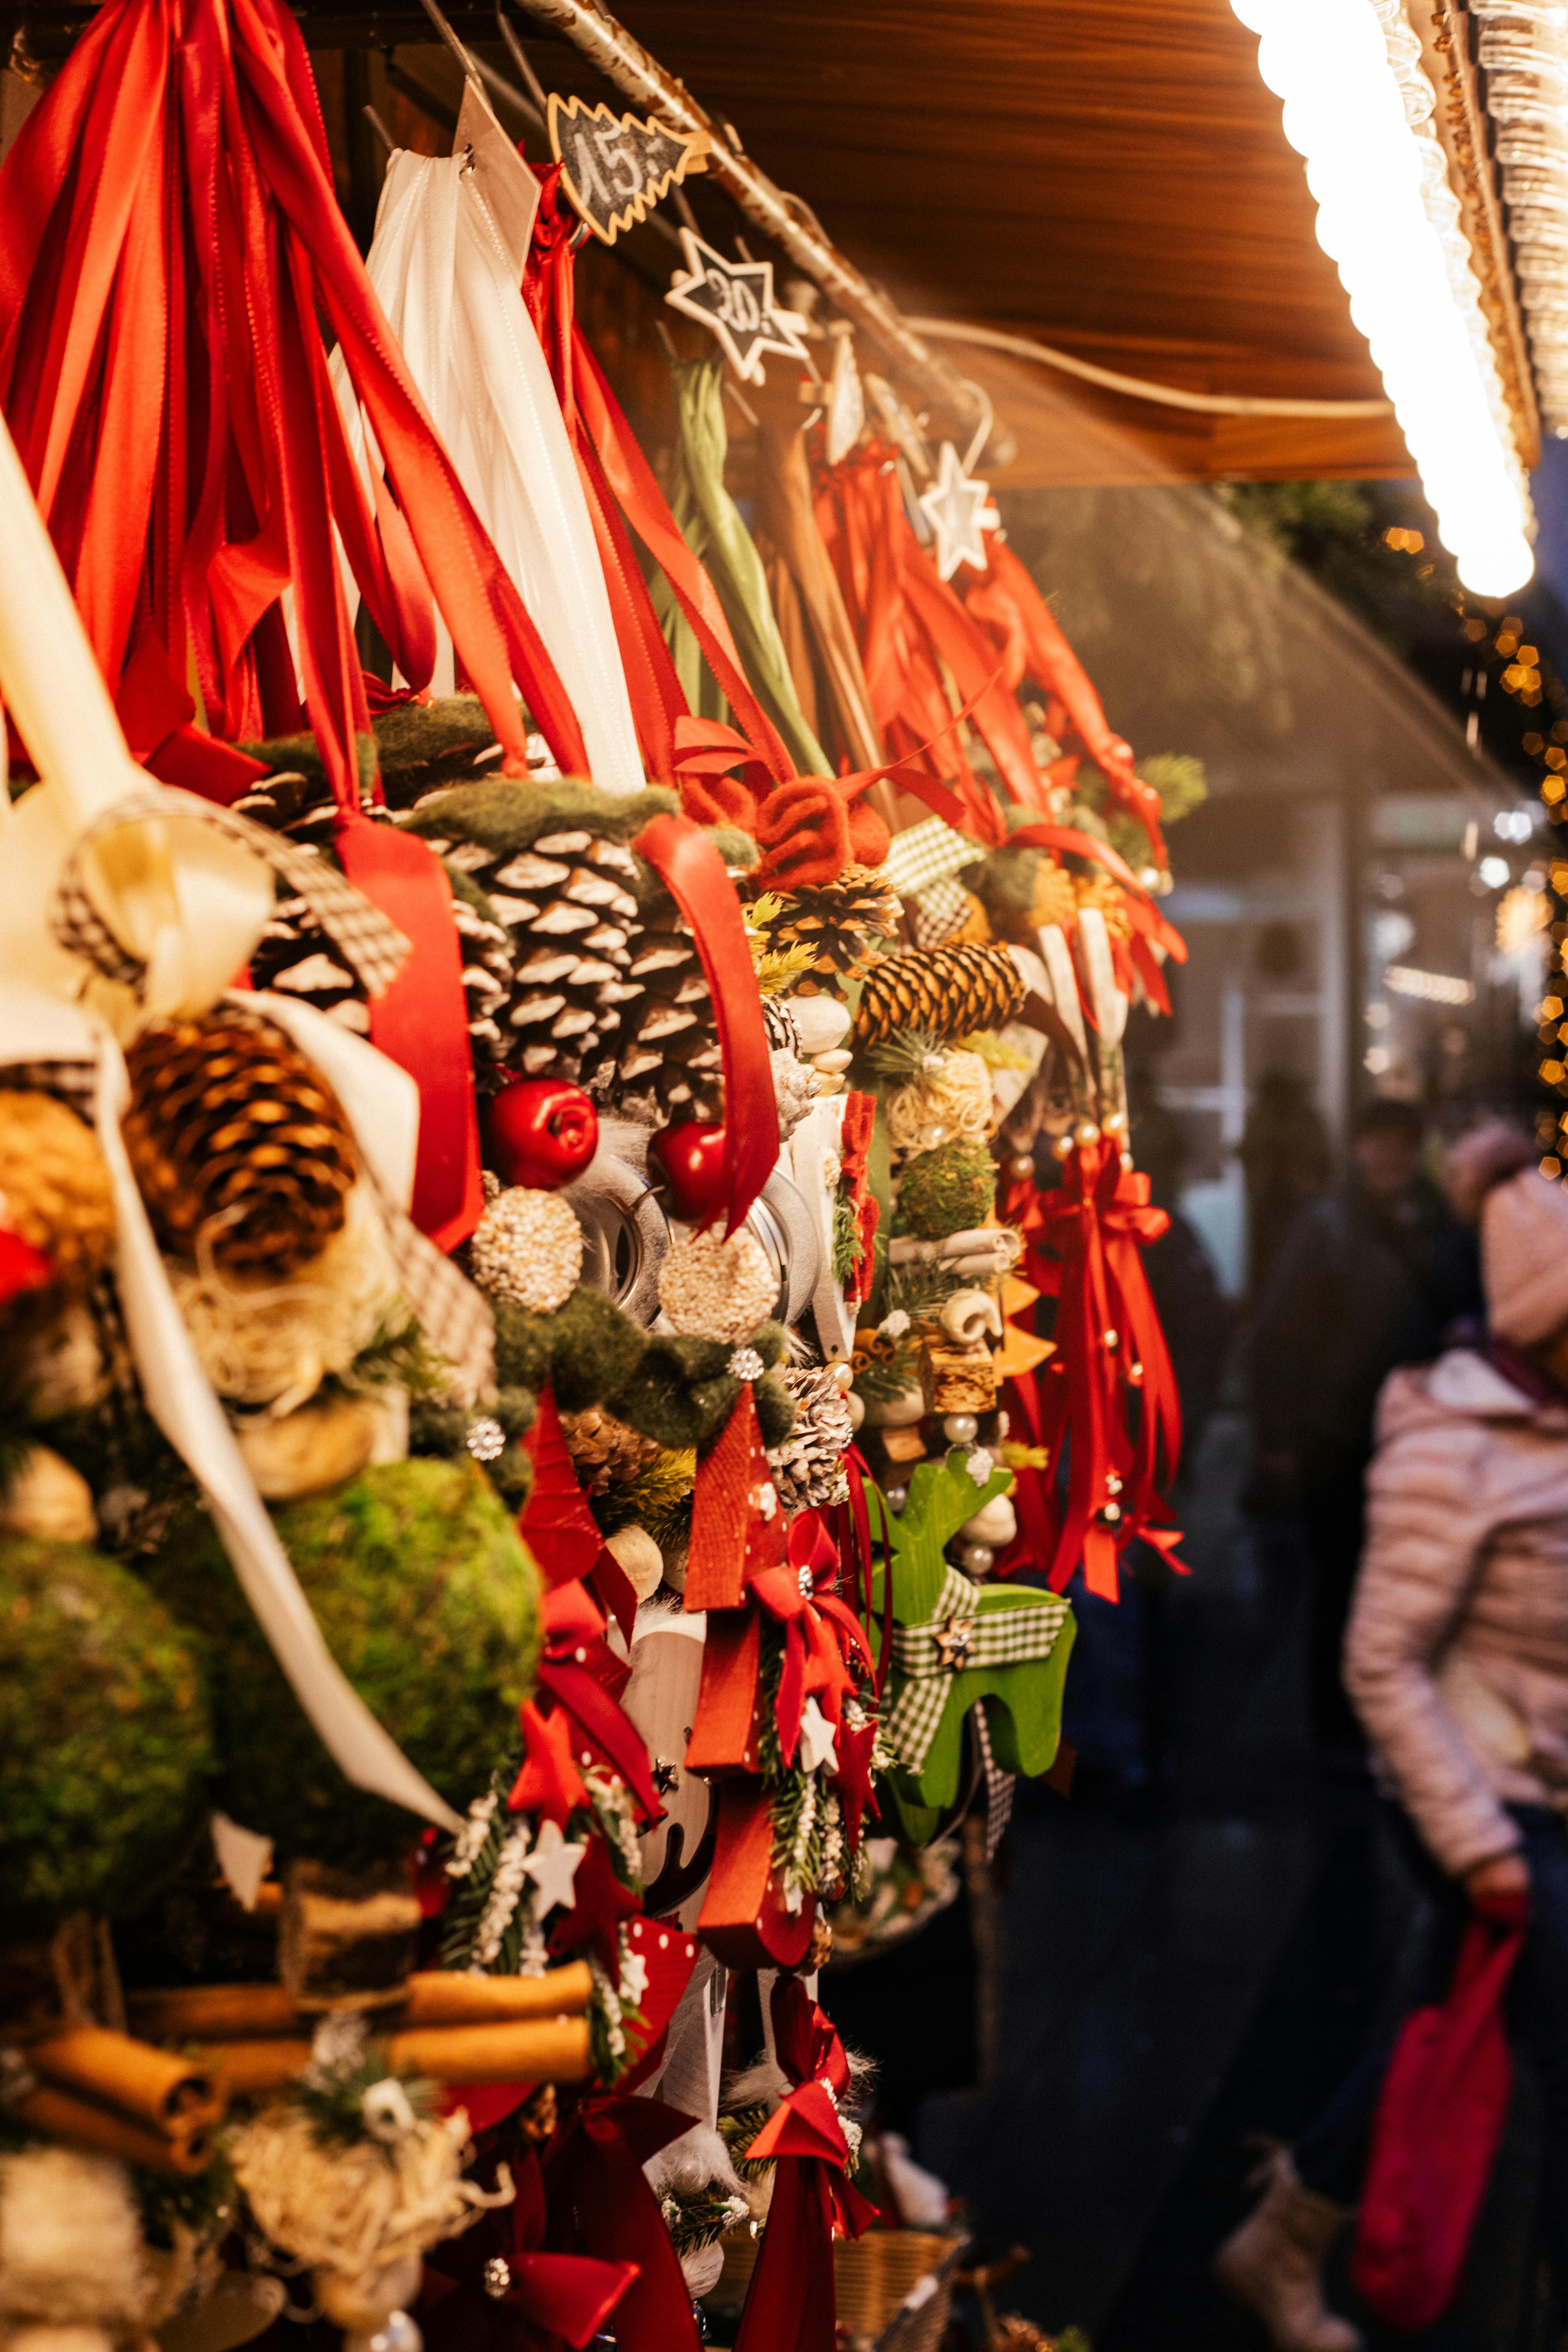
[(838, 921), (233, 1138), (604, 1450), (1099, 890), (54, 1185), (949, 991), (666, 1057), (808, 1468)]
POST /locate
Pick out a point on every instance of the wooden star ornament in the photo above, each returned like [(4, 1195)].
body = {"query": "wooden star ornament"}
[(735, 300)]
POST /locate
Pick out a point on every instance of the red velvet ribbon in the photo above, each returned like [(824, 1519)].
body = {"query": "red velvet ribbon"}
[(689, 867), (598, 2192), (1108, 1342), (790, 2305)]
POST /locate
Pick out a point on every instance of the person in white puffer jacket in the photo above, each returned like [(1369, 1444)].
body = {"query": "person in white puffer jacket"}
[(1456, 1663)]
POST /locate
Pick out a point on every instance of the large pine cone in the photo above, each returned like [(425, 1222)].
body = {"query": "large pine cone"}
[(946, 991), (236, 1142)]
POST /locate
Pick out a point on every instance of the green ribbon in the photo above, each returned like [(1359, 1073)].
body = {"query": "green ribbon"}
[(711, 525)]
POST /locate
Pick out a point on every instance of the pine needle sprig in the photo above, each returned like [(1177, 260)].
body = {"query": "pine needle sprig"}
[(908, 1053)]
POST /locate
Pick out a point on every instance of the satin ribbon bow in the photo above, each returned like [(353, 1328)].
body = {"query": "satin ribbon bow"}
[(973, 1625), (790, 2304), (1108, 1342), (583, 1679), (821, 1632), (553, 2298)]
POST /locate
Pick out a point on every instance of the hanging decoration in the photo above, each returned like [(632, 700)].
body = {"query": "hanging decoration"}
[(614, 167), (570, 1268)]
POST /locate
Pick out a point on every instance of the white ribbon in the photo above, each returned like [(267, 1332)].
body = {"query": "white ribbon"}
[(451, 238)]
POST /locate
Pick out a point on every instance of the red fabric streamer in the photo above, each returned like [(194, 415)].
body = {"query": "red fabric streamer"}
[(621, 488), (821, 1632), (556, 1524), (1108, 1342), (170, 246), (580, 1676), (689, 867), (1006, 603), (790, 2305)]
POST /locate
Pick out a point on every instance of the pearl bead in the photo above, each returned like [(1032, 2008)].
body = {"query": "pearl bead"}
[(1087, 1134), (896, 1497), (979, 1560), (1062, 1148), (960, 1428), (1023, 1165), (397, 2333)]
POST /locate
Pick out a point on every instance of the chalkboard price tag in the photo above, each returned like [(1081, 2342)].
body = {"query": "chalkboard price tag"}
[(615, 167)]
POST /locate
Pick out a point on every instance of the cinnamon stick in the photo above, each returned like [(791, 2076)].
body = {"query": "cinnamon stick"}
[(449, 1997), (528, 2050), (59, 2115), (543, 2050), (151, 2085), (250, 2012), (234, 2012)]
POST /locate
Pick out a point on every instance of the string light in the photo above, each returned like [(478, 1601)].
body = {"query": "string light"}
[(1343, 112)]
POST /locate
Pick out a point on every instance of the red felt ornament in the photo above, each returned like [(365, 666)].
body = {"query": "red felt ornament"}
[(549, 1783), (691, 1157), (542, 1132)]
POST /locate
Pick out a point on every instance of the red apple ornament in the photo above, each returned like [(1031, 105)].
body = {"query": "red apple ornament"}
[(542, 1132), (692, 1158)]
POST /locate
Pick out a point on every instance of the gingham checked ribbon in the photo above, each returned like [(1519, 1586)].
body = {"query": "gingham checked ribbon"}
[(454, 1317), (972, 1626), (376, 948), (940, 912), (927, 852)]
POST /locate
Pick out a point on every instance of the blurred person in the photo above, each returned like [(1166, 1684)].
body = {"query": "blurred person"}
[(1286, 1162), (1372, 1276), (1456, 1659)]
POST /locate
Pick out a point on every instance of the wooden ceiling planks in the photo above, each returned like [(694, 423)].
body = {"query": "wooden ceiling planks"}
[(1107, 175)]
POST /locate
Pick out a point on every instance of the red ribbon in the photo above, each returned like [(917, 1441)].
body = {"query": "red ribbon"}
[(170, 247), (596, 2191), (581, 1675), (689, 867), (790, 2306), (821, 1633), (1108, 1342), (1006, 603), (618, 481)]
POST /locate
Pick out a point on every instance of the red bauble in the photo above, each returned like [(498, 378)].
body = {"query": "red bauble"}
[(692, 1158), (542, 1132)]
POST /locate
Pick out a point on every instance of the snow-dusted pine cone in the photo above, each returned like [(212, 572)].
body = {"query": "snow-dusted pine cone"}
[(808, 1468)]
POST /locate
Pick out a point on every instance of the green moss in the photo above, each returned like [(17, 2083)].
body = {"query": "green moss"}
[(506, 815), (947, 1190), (106, 1748), (428, 1601), (674, 1389), (775, 1411)]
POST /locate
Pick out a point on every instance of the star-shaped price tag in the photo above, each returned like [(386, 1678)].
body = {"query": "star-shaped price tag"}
[(735, 300), (960, 513)]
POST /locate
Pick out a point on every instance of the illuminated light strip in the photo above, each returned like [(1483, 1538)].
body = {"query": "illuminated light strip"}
[(1524, 56), (1434, 987), (1345, 113)]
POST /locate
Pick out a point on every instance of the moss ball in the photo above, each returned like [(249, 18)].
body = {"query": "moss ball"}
[(428, 1601), (106, 1750), (948, 1191)]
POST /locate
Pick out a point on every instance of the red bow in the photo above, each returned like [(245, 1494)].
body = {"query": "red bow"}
[(1108, 1342), (582, 1678), (790, 2305), (821, 1632)]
